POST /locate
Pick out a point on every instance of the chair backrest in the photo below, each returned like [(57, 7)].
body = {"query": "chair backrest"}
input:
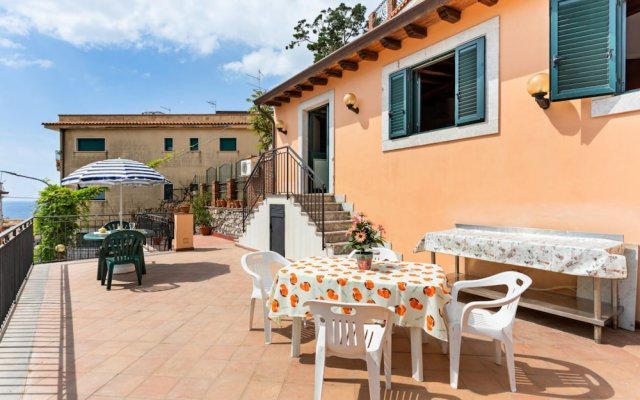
[(124, 245), (113, 225), (343, 324), (259, 264), (516, 283), (381, 254)]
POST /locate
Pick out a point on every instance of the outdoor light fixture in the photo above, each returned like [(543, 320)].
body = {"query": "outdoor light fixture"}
[(280, 126), (350, 100), (538, 87)]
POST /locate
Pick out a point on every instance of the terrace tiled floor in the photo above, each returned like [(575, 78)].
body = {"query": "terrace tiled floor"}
[(183, 335)]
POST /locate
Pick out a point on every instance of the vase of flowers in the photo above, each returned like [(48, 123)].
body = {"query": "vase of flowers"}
[(362, 236)]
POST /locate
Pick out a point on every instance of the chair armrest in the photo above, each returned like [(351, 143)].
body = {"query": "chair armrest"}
[(473, 283), (466, 310)]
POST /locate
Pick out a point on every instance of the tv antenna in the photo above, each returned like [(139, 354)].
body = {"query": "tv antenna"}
[(166, 109), (258, 79), (213, 104)]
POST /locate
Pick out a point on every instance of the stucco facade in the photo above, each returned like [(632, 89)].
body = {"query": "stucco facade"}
[(562, 168), (142, 138)]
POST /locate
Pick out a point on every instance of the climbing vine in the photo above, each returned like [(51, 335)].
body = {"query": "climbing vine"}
[(59, 211)]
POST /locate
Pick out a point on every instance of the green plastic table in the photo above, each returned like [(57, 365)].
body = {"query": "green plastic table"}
[(123, 268)]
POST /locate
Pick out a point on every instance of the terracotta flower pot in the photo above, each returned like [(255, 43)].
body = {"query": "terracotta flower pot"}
[(205, 230), (364, 259)]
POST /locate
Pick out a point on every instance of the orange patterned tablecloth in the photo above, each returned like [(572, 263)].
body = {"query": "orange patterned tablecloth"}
[(417, 291)]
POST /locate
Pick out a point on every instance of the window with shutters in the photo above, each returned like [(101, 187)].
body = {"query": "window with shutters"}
[(90, 144), (228, 144), (168, 144), (194, 144), (595, 48), (447, 91)]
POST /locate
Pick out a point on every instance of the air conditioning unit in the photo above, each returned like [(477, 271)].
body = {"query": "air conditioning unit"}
[(245, 167)]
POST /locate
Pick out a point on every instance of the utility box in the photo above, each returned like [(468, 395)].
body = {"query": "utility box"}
[(183, 232)]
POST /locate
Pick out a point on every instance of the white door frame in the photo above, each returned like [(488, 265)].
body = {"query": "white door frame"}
[(303, 131)]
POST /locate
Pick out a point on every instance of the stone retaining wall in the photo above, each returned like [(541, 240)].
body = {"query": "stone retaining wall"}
[(227, 221)]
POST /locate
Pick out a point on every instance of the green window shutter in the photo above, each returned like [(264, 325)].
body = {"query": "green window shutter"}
[(168, 144), (470, 82), (398, 111), (583, 48), (90, 144), (228, 144), (194, 144)]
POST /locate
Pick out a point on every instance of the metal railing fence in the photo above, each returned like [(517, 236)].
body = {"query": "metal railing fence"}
[(16, 258)]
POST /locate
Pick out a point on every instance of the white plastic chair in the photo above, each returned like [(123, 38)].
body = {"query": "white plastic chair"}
[(258, 265), (476, 319), (348, 336), (380, 254)]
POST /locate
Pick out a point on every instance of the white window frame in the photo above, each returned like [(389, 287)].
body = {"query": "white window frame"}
[(303, 127), (491, 31)]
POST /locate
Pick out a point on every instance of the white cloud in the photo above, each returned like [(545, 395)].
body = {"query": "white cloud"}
[(271, 62), (21, 61), (196, 26), (9, 44)]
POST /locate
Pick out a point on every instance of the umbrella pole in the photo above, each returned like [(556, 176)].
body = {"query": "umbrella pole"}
[(121, 226)]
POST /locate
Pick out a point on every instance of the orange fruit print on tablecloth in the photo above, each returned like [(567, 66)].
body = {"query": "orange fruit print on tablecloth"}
[(401, 310), (430, 322), (429, 290), (369, 285), (275, 305), (293, 278), (294, 300), (384, 292), (402, 286), (283, 290), (319, 278), (415, 304), (357, 296), (342, 281), (331, 294), (305, 286)]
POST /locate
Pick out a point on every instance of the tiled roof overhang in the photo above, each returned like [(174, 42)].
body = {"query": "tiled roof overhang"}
[(412, 22), (121, 124)]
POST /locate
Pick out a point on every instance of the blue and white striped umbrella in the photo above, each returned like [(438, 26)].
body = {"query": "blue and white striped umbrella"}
[(115, 172)]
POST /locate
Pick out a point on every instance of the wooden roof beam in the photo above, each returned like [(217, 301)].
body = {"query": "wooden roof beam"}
[(488, 3), (348, 65), (391, 43), (282, 99), (304, 88), (318, 80), (449, 14), (334, 73), (293, 93), (368, 55), (415, 31), (272, 103)]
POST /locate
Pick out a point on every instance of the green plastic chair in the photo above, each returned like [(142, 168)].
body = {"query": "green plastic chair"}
[(122, 247), (113, 225)]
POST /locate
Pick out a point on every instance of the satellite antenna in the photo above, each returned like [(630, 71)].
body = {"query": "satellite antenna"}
[(258, 79), (213, 104), (166, 109)]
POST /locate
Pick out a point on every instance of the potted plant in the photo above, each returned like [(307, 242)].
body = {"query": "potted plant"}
[(362, 236), (201, 215)]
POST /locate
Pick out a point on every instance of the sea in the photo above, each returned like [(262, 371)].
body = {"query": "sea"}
[(18, 209)]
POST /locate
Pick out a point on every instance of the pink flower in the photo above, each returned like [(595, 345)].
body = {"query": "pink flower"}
[(382, 230), (360, 237)]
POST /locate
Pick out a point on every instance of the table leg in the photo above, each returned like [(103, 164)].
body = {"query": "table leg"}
[(416, 353), (295, 336), (614, 302), (457, 275), (597, 309), (433, 257)]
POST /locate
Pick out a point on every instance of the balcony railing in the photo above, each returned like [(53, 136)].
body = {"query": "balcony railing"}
[(385, 11), (16, 258)]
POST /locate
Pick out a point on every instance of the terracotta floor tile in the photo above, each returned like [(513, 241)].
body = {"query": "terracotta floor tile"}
[(155, 387), (262, 390), (190, 388), (121, 385)]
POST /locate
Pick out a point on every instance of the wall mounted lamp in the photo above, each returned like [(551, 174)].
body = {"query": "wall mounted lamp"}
[(538, 87), (350, 100), (280, 126)]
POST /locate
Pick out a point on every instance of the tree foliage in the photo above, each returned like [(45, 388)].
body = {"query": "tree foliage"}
[(330, 30), (260, 123), (59, 211)]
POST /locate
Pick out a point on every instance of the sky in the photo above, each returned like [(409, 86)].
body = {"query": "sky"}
[(132, 56)]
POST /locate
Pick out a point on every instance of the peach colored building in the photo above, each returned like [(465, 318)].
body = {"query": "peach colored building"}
[(447, 133)]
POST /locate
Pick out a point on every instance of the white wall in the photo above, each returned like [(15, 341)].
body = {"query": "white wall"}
[(301, 236)]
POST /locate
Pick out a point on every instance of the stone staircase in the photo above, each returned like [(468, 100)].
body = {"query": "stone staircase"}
[(337, 221)]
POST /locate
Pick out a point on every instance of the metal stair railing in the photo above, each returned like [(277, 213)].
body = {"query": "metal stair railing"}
[(282, 171)]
